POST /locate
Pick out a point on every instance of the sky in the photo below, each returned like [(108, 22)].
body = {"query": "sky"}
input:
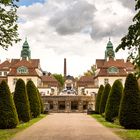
[(77, 30)]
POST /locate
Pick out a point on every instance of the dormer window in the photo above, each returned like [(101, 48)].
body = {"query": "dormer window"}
[(113, 70), (22, 70)]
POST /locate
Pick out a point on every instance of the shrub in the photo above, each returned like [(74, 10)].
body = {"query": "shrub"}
[(21, 101), (8, 113), (33, 99), (113, 101), (41, 102), (104, 98), (129, 113), (98, 99)]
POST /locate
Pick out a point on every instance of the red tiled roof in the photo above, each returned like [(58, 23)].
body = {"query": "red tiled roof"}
[(5, 65), (119, 63), (129, 66), (32, 63), (85, 80), (50, 80), (100, 62), (123, 67), (46, 78), (104, 72), (31, 72)]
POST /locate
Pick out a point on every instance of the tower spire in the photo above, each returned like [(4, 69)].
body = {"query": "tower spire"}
[(25, 52)]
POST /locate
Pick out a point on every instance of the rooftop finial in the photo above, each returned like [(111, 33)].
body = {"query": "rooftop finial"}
[(109, 38), (26, 38)]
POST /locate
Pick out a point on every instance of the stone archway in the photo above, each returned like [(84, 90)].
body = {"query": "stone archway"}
[(61, 105), (74, 105)]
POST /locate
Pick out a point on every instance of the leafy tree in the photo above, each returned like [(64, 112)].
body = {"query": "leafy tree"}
[(113, 101), (131, 40), (33, 96), (8, 25), (8, 113), (129, 113), (104, 98), (59, 78), (91, 72), (41, 102), (21, 101), (98, 99)]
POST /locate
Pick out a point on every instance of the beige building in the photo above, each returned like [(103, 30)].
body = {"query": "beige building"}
[(27, 69), (111, 69)]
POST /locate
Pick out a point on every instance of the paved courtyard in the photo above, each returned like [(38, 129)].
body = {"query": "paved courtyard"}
[(67, 126)]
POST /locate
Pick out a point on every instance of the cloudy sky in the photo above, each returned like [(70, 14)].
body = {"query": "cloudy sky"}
[(74, 29)]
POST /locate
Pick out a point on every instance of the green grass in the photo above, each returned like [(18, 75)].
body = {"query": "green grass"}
[(126, 134), (7, 134)]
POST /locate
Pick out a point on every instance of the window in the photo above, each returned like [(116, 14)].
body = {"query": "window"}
[(14, 81), (113, 70), (22, 70), (106, 81), (5, 73), (0, 73)]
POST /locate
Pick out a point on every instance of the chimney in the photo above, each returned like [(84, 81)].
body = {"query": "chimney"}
[(65, 68)]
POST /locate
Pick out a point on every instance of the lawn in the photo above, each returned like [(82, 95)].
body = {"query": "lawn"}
[(116, 128), (6, 134)]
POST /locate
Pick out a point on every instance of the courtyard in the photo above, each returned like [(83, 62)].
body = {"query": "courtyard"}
[(67, 126)]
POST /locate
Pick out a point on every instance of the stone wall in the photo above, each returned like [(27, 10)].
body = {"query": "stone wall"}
[(68, 103)]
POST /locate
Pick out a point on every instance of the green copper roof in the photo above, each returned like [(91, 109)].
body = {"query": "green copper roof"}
[(25, 52), (109, 44), (25, 44)]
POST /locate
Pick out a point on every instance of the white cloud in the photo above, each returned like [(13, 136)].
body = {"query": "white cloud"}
[(75, 29)]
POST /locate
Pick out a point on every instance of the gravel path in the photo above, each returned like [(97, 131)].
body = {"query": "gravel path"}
[(67, 126)]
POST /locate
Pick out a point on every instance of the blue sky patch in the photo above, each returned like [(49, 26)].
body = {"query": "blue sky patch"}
[(28, 2)]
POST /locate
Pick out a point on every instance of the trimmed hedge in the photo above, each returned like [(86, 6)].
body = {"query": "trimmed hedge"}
[(129, 113), (113, 101), (104, 98), (41, 102), (98, 99), (33, 99), (21, 101), (8, 113)]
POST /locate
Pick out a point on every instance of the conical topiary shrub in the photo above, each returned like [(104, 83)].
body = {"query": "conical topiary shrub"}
[(113, 101), (41, 102), (8, 113), (33, 99), (129, 113), (21, 101), (104, 98), (98, 99)]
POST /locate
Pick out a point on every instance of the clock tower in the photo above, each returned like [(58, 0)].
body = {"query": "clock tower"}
[(109, 52), (25, 52)]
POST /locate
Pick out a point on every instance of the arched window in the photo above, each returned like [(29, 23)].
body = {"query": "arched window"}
[(113, 70), (22, 70)]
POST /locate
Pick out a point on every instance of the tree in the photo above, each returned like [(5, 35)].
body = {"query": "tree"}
[(21, 101), (8, 25), (131, 41), (32, 92), (8, 113), (91, 72), (59, 78), (41, 102), (129, 113), (113, 101), (98, 99), (104, 98)]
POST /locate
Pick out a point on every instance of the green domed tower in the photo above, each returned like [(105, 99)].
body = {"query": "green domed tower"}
[(25, 52), (109, 52)]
